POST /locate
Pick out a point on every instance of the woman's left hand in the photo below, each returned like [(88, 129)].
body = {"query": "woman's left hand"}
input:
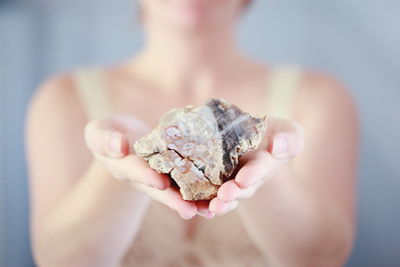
[(282, 142)]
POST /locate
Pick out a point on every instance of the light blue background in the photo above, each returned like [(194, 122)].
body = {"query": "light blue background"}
[(357, 41)]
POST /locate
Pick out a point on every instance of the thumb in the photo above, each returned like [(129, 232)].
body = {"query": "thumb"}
[(113, 136), (285, 138)]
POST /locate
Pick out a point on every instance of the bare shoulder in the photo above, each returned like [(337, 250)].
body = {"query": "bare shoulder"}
[(323, 94), (55, 119), (54, 94), (56, 98), (324, 83), (55, 147)]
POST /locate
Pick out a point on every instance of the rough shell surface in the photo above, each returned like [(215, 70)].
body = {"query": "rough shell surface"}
[(200, 147)]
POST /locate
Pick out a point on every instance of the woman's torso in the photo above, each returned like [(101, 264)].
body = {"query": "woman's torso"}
[(165, 239)]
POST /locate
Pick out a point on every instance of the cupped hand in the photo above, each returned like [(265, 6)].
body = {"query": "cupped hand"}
[(111, 141), (282, 142)]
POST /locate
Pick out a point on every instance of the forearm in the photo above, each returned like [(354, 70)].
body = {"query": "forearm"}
[(296, 226), (92, 224)]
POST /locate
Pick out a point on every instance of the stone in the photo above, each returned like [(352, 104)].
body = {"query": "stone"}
[(200, 147)]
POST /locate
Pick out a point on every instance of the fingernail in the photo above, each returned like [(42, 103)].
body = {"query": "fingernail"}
[(115, 143), (204, 212), (186, 217), (280, 145)]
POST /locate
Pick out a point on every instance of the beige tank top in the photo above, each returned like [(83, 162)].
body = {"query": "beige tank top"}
[(222, 241)]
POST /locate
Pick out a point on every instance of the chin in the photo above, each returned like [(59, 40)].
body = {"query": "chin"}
[(192, 26), (194, 15), (192, 20)]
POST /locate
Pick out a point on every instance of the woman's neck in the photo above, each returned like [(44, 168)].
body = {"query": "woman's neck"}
[(179, 61)]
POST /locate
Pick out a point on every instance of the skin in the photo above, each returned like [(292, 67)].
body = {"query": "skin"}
[(297, 203)]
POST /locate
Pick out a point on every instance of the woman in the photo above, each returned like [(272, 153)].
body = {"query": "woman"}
[(96, 208)]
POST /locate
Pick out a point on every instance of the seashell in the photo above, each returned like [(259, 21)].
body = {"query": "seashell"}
[(200, 147)]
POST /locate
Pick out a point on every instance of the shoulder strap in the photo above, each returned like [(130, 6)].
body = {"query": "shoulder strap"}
[(92, 92), (281, 90)]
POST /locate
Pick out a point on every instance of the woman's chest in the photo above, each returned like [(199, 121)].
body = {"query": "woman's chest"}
[(150, 105), (166, 238)]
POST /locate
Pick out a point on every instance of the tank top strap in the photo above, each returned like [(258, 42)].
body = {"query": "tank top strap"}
[(282, 84), (91, 89)]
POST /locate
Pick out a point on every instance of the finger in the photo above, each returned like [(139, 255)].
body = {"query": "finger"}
[(107, 143), (218, 206), (132, 127), (260, 166), (113, 136), (286, 145), (285, 138), (229, 191), (203, 209), (250, 191), (172, 198), (136, 170)]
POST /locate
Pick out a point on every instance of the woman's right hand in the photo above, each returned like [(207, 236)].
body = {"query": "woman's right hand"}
[(111, 142)]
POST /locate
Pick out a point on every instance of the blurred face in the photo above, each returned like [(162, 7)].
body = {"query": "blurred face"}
[(192, 14)]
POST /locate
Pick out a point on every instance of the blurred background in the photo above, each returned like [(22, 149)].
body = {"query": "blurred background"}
[(357, 41)]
